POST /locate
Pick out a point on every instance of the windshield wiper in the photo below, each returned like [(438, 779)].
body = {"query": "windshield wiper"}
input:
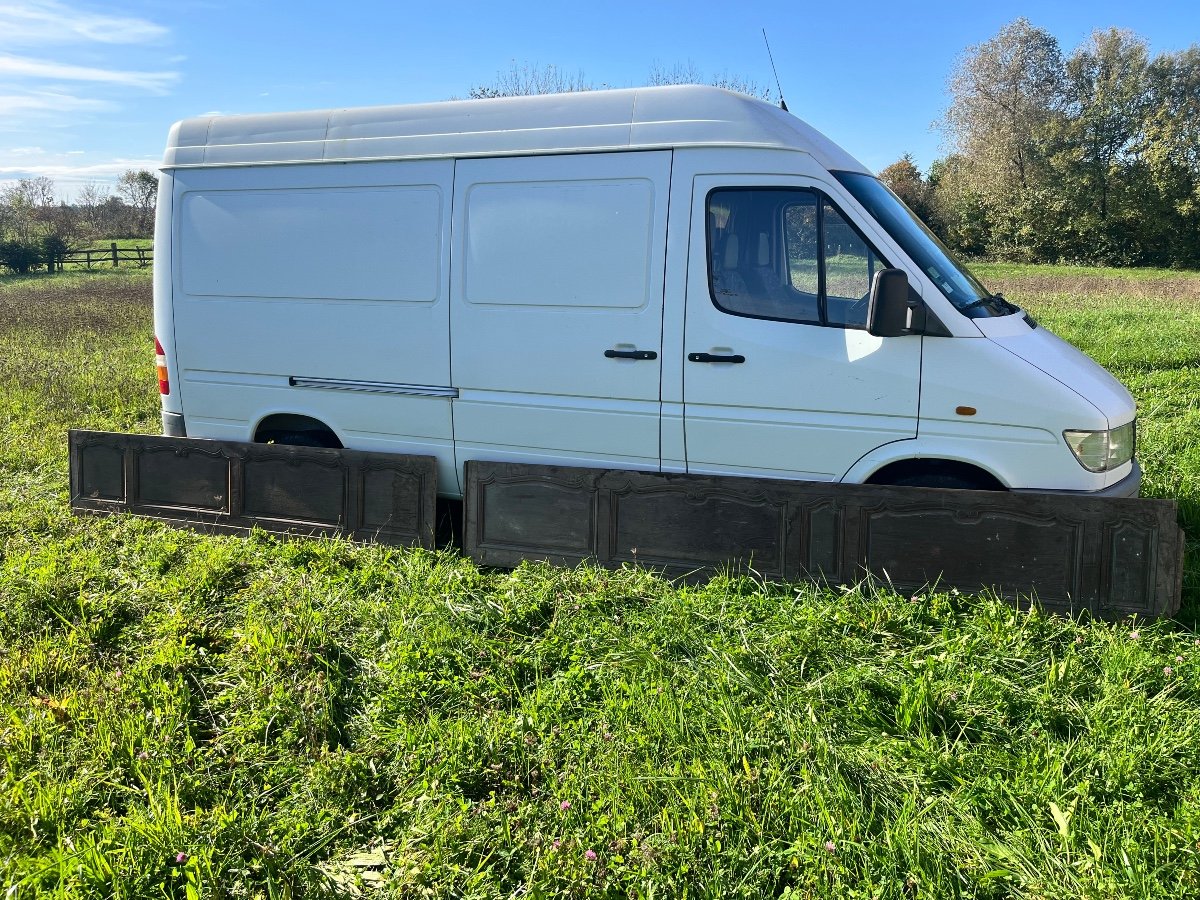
[(991, 298)]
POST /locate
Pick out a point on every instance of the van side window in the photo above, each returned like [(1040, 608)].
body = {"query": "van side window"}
[(789, 255)]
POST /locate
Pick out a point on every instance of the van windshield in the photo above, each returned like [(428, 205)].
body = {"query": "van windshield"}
[(923, 248)]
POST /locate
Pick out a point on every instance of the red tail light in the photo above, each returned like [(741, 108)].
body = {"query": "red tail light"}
[(160, 362)]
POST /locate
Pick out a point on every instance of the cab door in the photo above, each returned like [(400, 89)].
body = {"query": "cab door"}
[(781, 378)]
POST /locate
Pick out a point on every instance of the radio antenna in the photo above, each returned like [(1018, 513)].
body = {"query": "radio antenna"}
[(770, 56)]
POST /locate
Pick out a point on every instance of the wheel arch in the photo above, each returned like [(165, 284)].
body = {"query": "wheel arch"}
[(903, 458), (281, 423), (904, 471)]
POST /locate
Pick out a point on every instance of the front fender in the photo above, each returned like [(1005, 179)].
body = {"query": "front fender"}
[(1019, 458)]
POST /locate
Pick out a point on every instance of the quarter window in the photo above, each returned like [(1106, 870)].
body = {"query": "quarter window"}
[(787, 254)]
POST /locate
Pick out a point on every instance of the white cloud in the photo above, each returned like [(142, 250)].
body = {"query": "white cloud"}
[(64, 71), (45, 102), (69, 178), (67, 173), (34, 22), (23, 67)]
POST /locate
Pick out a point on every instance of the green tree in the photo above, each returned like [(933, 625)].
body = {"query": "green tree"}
[(962, 215), (1107, 101), (1169, 151), (907, 183), (139, 189)]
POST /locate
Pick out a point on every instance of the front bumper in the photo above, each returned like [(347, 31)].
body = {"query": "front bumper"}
[(1129, 486)]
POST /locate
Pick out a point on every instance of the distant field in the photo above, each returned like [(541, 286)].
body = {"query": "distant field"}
[(190, 716), (989, 271)]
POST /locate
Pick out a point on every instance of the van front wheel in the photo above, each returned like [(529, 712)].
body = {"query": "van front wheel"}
[(300, 439), (942, 480), (936, 474)]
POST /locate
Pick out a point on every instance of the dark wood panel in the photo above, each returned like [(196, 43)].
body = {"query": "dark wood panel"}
[(229, 486), (100, 475), (657, 526), (186, 476), (394, 504), (1110, 557), (285, 487), (563, 530)]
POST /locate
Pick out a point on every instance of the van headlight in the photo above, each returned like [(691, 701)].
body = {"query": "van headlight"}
[(1100, 451)]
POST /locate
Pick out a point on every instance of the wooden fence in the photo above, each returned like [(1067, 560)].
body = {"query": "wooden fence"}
[(112, 256)]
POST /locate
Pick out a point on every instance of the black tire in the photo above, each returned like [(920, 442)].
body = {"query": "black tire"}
[(943, 480), (301, 439)]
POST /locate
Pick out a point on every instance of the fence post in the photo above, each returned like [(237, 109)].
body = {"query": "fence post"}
[(114, 254)]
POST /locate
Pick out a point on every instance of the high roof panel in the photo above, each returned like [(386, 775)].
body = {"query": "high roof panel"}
[(636, 118)]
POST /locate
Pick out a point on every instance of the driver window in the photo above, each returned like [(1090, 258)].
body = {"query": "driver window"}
[(787, 254), (849, 267)]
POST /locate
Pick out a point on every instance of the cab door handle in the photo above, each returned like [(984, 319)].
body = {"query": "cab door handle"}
[(716, 357), (630, 354)]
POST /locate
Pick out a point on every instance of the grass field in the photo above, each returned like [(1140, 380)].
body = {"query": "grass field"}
[(190, 716)]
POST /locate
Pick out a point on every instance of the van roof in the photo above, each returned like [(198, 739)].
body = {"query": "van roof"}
[(589, 121)]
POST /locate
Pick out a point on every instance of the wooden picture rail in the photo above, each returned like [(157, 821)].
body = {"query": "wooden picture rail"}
[(1109, 557), (229, 486)]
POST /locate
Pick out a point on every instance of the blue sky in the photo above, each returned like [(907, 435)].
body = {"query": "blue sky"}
[(88, 90)]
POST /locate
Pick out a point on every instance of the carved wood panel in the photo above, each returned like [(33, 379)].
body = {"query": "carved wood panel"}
[(229, 486), (1110, 557)]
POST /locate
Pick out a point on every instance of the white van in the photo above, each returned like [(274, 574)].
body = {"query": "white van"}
[(675, 279)]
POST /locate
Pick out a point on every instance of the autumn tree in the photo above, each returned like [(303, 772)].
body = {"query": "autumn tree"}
[(525, 79), (689, 73), (1004, 94)]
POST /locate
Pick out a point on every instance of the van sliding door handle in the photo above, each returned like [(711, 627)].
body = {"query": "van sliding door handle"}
[(630, 354), (715, 357)]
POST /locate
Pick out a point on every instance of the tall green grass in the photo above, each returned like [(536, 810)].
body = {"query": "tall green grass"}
[(193, 716)]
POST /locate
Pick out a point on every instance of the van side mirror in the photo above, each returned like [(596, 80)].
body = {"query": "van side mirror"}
[(888, 310)]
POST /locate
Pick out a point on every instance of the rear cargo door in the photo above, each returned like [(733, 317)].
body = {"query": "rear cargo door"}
[(556, 308)]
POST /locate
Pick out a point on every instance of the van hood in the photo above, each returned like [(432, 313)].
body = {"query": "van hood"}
[(1068, 366)]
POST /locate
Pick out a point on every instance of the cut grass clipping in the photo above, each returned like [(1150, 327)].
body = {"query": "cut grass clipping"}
[(191, 716)]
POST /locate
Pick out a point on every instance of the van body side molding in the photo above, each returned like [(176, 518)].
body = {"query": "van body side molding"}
[(374, 387)]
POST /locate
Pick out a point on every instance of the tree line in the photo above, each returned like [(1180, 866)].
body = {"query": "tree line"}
[(1092, 157), (36, 227)]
